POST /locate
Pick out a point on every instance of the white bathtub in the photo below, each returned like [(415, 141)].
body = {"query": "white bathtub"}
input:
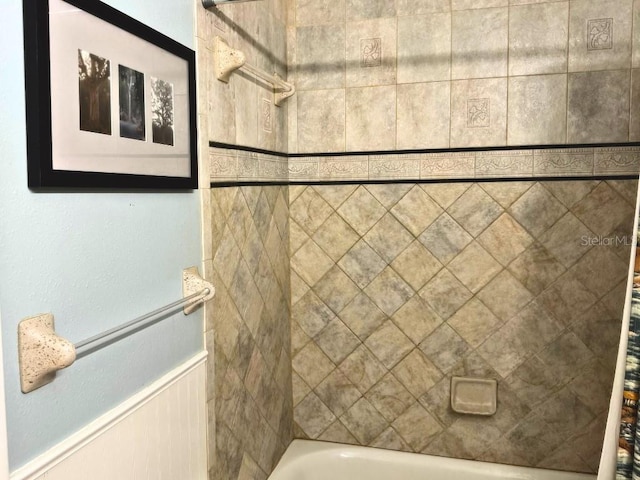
[(312, 460)]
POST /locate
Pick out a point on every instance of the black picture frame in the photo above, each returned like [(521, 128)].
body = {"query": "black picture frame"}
[(96, 152)]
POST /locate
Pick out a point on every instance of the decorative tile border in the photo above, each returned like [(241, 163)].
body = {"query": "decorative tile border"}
[(341, 168), (448, 165), (616, 160), (512, 163), (394, 166), (230, 165), (562, 162)]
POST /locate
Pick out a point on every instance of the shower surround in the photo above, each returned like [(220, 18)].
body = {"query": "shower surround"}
[(398, 287), (372, 367)]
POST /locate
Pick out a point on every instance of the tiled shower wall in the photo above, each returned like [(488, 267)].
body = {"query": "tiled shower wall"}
[(245, 250), (248, 333), (402, 74), (398, 287), (242, 111)]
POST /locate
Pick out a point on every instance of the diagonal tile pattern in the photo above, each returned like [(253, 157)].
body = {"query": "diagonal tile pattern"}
[(399, 287), (250, 380)]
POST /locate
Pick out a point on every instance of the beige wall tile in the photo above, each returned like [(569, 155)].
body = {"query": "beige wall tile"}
[(323, 12), (537, 110), (320, 57), (371, 118), (479, 43), (371, 52), (326, 108), (423, 115), (474, 267), (600, 35), (538, 38), (598, 107), (365, 9), (424, 39), (479, 112), (467, 4), (634, 126), (421, 7)]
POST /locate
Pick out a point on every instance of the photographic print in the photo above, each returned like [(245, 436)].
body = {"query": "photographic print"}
[(131, 103), (162, 108), (110, 102), (94, 93)]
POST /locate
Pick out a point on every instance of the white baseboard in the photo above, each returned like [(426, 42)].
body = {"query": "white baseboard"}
[(159, 432)]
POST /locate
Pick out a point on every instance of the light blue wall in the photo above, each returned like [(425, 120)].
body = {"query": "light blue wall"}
[(94, 260)]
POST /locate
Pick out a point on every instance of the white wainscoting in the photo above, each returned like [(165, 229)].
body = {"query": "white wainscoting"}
[(159, 433)]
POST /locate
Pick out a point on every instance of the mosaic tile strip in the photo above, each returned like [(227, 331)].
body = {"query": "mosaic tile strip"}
[(236, 165)]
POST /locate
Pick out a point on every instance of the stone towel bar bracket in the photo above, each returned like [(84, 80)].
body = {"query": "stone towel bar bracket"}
[(41, 352), (226, 60)]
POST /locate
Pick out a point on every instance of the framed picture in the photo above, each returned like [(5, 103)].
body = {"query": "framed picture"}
[(110, 102)]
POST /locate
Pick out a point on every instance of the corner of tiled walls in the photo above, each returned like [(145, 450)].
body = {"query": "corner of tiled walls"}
[(398, 287), (245, 249), (519, 72)]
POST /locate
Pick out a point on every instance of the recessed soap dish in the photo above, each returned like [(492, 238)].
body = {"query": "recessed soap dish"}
[(474, 396)]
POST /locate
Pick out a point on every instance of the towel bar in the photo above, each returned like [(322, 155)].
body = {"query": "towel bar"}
[(41, 352)]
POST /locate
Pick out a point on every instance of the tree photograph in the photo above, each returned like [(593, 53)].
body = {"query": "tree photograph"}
[(132, 123), (94, 79), (162, 109)]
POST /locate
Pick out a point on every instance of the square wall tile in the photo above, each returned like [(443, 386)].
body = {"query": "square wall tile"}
[(479, 43), (538, 38), (537, 110), (319, 12), (479, 112), (468, 4), (320, 57), (371, 52), (635, 40), (365, 9), (474, 210), (599, 35), (326, 108), (424, 115), (421, 7), (634, 121), (246, 92), (424, 40), (371, 118), (598, 107)]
